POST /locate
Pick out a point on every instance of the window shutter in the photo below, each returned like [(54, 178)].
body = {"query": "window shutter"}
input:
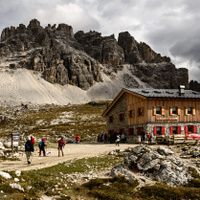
[(179, 130), (179, 111), (163, 130), (170, 110), (186, 130), (133, 113), (138, 112), (186, 111), (195, 129), (155, 130), (171, 130), (142, 111), (138, 131), (163, 110), (154, 110), (193, 111)]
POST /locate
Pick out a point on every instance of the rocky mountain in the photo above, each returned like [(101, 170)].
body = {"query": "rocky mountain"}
[(99, 65)]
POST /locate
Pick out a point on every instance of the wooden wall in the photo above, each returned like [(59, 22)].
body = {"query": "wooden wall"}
[(135, 102)]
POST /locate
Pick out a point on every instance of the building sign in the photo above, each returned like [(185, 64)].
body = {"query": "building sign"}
[(167, 119)]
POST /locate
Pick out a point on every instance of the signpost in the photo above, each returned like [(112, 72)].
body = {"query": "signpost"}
[(15, 141)]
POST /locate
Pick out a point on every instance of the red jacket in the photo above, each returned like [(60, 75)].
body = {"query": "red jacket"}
[(77, 138)]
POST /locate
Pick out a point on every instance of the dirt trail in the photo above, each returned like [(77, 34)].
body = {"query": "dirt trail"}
[(72, 151)]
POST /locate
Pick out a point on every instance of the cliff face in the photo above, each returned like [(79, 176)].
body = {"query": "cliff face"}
[(81, 59)]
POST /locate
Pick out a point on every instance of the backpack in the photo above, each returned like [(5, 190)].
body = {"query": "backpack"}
[(27, 146), (40, 144), (61, 143)]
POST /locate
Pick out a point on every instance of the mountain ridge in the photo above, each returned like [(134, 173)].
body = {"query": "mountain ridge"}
[(87, 61)]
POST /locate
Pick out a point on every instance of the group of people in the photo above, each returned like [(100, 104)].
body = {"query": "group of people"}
[(29, 147), (111, 137)]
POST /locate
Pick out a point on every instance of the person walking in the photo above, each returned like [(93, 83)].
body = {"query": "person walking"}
[(28, 150), (149, 138), (77, 138), (41, 146), (117, 140), (61, 145)]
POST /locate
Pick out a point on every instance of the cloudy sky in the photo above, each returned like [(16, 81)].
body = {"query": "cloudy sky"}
[(169, 27)]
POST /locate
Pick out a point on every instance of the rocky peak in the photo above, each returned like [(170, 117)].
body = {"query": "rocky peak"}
[(138, 52), (80, 59), (34, 23)]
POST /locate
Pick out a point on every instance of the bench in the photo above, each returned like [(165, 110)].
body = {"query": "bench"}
[(174, 139)]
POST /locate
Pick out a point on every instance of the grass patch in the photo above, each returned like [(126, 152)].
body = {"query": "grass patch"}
[(84, 119), (164, 192), (117, 188), (55, 180)]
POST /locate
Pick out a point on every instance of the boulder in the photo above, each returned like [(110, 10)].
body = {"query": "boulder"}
[(159, 164), (121, 169), (1, 146), (164, 151)]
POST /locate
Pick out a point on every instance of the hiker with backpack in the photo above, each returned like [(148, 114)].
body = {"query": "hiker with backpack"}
[(28, 150), (61, 144), (41, 146)]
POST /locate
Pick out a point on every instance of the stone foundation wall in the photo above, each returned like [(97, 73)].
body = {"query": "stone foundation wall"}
[(118, 108), (149, 128)]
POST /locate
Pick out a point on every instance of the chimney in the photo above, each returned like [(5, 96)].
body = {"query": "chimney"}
[(181, 90)]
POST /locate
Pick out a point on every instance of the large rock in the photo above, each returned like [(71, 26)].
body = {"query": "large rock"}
[(159, 164), (1, 146)]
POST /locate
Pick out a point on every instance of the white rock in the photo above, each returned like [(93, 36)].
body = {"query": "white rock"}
[(5, 175), (18, 172), (1, 146), (1, 153), (16, 179), (16, 186)]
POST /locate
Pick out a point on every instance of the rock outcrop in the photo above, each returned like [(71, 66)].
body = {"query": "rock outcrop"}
[(80, 59), (160, 164)]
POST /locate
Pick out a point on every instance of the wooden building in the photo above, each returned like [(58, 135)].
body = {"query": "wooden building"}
[(163, 112)]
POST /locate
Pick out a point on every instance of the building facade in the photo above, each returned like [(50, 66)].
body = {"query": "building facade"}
[(156, 111)]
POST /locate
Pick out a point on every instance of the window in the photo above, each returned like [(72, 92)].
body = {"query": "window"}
[(189, 111), (121, 117), (111, 119), (131, 131), (131, 113), (174, 110), (158, 110), (175, 130), (159, 130), (140, 112)]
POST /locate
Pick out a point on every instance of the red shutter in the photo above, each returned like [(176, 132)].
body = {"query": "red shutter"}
[(163, 130), (179, 130), (171, 130), (112, 131), (138, 131), (195, 129), (122, 130), (155, 130), (186, 130)]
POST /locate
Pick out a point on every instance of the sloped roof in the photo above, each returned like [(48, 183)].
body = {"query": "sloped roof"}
[(155, 93), (165, 93)]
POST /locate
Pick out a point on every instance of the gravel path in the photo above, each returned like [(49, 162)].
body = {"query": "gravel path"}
[(71, 151)]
